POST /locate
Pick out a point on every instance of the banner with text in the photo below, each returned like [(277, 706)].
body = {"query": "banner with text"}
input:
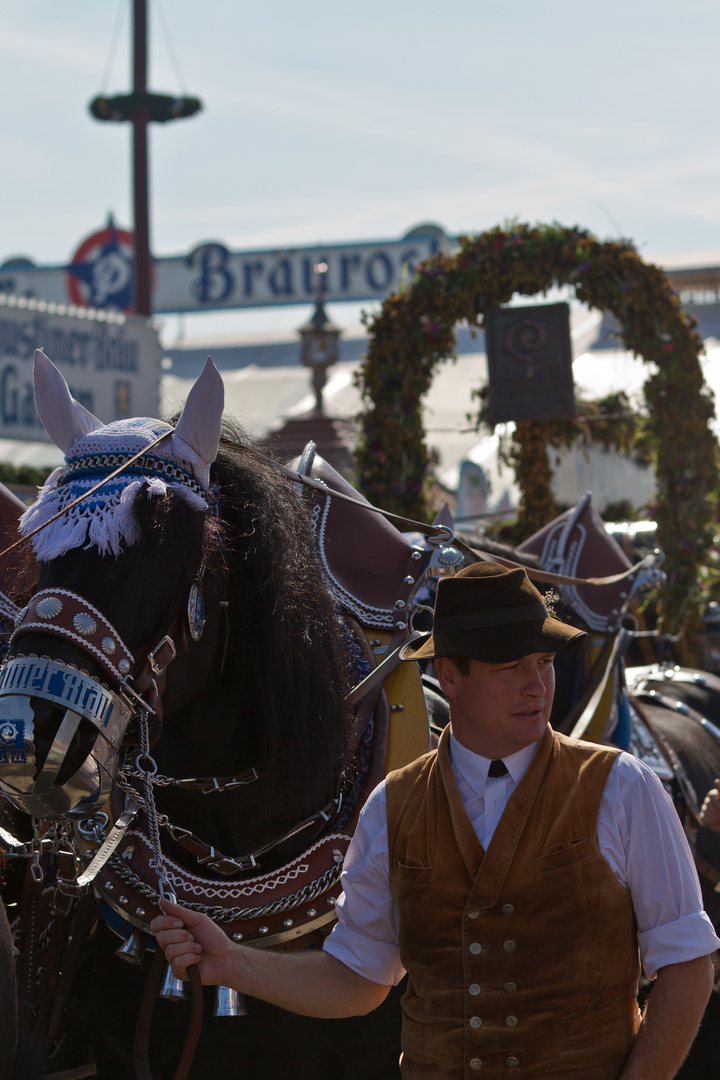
[(211, 277), (111, 363)]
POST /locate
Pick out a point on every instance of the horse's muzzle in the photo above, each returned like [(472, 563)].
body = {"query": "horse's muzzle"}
[(60, 738)]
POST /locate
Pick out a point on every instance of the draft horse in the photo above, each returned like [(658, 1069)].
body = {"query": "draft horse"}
[(177, 707)]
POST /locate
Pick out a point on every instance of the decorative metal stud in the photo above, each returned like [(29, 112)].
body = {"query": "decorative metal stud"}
[(237, 936), (449, 556), (140, 911), (331, 901), (122, 899), (108, 645), (409, 580), (123, 666), (416, 555), (49, 607), (110, 885), (263, 929), (196, 612), (84, 624), (399, 603), (396, 708), (401, 625), (287, 922), (311, 913)]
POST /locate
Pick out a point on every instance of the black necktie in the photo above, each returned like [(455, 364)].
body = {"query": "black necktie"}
[(497, 768)]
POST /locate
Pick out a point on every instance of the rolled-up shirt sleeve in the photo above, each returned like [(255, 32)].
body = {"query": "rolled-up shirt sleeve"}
[(366, 934), (641, 836)]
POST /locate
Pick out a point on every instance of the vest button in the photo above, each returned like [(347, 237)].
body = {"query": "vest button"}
[(474, 989), (475, 948), (507, 909), (509, 946), (512, 1063), (473, 914), (475, 1022), (511, 1021), (475, 1063), (510, 987)]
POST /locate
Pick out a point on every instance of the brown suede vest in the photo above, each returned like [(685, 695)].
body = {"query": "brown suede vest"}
[(524, 957)]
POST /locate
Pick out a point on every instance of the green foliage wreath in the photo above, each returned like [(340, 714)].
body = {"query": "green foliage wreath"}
[(414, 331)]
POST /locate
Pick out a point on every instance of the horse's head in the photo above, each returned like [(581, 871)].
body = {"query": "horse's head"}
[(122, 534)]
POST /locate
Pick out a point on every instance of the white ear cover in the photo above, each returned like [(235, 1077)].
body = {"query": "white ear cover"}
[(64, 418)]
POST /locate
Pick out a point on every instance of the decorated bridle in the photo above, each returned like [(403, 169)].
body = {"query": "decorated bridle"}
[(130, 687)]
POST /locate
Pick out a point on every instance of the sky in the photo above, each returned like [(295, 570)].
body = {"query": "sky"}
[(346, 121)]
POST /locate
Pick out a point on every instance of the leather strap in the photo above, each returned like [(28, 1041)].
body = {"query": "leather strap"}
[(438, 530), (141, 1058), (537, 574)]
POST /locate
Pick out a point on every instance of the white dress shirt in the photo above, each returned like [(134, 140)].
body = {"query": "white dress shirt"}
[(638, 833)]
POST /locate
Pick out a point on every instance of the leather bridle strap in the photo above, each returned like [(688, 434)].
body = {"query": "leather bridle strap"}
[(438, 531), (142, 1033)]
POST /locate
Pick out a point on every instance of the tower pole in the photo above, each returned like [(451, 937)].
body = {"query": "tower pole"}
[(140, 121)]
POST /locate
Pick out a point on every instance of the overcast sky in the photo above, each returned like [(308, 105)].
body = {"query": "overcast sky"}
[(342, 121)]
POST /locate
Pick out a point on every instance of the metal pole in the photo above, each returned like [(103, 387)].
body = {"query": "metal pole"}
[(140, 120)]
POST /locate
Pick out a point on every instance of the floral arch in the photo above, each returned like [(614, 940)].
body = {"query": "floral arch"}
[(414, 332)]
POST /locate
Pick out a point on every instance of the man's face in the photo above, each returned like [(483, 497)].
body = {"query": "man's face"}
[(497, 709)]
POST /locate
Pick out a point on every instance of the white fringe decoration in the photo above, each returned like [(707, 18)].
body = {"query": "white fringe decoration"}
[(106, 519)]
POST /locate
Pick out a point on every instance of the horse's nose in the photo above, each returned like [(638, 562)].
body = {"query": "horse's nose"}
[(46, 763)]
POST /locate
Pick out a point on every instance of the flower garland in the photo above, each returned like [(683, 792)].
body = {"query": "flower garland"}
[(414, 332)]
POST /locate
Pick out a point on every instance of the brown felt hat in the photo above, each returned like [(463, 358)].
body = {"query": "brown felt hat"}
[(488, 612)]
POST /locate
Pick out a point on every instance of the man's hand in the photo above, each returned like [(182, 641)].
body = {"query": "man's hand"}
[(187, 938), (312, 982), (710, 813)]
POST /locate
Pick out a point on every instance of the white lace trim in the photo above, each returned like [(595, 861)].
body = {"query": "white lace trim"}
[(366, 614), (191, 884), (593, 620)]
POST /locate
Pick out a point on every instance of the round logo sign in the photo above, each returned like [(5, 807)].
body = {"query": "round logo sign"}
[(8, 733), (101, 271)]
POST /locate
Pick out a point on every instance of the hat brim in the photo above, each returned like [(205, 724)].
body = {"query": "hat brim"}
[(498, 644)]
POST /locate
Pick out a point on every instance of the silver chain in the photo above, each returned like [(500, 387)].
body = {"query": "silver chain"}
[(146, 768), (232, 914), (36, 870), (214, 785)]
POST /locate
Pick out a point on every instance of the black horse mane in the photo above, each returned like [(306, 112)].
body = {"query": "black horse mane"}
[(287, 656), (286, 670)]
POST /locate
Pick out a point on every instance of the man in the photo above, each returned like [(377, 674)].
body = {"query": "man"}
[(513, 873)]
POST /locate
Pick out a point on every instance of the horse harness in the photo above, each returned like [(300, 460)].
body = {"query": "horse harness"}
[(129, 870)]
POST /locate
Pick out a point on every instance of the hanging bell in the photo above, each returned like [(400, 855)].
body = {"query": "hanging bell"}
[(133, 947), (229, 1002), (172, 989)]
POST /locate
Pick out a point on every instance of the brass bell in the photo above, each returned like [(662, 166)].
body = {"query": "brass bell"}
[(229, 1002), (172, 989), (133, 947)]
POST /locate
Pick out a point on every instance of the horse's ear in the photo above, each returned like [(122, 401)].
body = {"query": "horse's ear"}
[(64, 418), (199, 425)]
